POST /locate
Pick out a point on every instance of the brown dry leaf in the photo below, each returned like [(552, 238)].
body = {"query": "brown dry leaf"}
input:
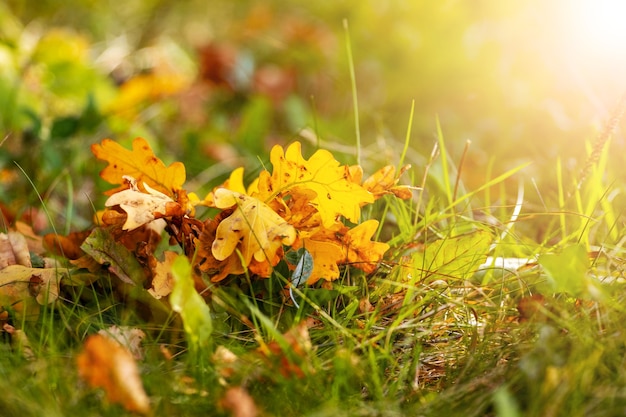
[(34, 241), (24, 289), (142, 208), (66, 246), (163, 281), (225, 361), (205, 262), (13, 250), (129, 337), (254, 229), (239, 403), (291, 361), (141, 164), (106, 364)]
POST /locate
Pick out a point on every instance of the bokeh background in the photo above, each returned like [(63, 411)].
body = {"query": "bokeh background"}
[(216, 83)]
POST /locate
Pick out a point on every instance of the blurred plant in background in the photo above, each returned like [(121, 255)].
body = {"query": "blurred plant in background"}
[(222, 82)]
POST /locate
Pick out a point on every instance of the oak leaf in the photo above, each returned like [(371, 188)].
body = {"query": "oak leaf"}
[(23, 289), (361, 252), (254, 228), (163, 281), (13, 250), (327, 256), (105, 363), (142, 208), (336, 194), (139, 163), (384, 182)]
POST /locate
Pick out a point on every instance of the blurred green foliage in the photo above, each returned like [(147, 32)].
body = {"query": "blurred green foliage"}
[(215, 83)]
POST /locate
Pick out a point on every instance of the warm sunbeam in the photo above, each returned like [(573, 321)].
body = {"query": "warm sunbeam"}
[(601, 25)]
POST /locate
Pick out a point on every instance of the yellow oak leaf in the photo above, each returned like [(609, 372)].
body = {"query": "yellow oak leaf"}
[(327, 255), (360, 251), (336, 194), (139, 163), (253, 228), (233, 183)]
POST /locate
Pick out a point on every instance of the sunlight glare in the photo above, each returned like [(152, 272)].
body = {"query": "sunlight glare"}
[(601, 25)]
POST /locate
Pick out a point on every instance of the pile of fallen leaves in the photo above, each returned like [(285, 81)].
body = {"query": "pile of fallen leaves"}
[(307, 208), (313, 204)]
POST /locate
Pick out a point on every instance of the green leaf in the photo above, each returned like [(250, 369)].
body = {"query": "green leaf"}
[(567, 271), (455, 257), (101, 246), (186, 301)]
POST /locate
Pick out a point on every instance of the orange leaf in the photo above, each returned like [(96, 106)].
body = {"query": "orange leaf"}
[(239, 403), (384, 182), (139, 163), (361, 252), (292, 361), (106, 364), (327, 255)]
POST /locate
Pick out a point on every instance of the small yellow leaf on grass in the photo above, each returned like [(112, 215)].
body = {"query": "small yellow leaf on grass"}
[(106, 364), (253, 228), (139, 163)]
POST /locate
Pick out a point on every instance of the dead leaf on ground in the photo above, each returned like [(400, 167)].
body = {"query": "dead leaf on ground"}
[(254, 229), (139, 163), (289, 356), (14, 250), (163, 281), (106, 364), (239, 403), (143, 207), (129, 337), (24, 289)]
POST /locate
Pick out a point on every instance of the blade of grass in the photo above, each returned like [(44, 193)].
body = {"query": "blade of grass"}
[(355, 101)]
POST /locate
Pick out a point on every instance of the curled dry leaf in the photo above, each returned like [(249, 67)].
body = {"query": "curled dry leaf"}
[(384, 182), (142, 208), (106, 364), (20, 342), (163, 281), (14, 250)]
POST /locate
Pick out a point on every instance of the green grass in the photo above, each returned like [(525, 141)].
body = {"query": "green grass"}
[(426, 334), (418, 337)]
